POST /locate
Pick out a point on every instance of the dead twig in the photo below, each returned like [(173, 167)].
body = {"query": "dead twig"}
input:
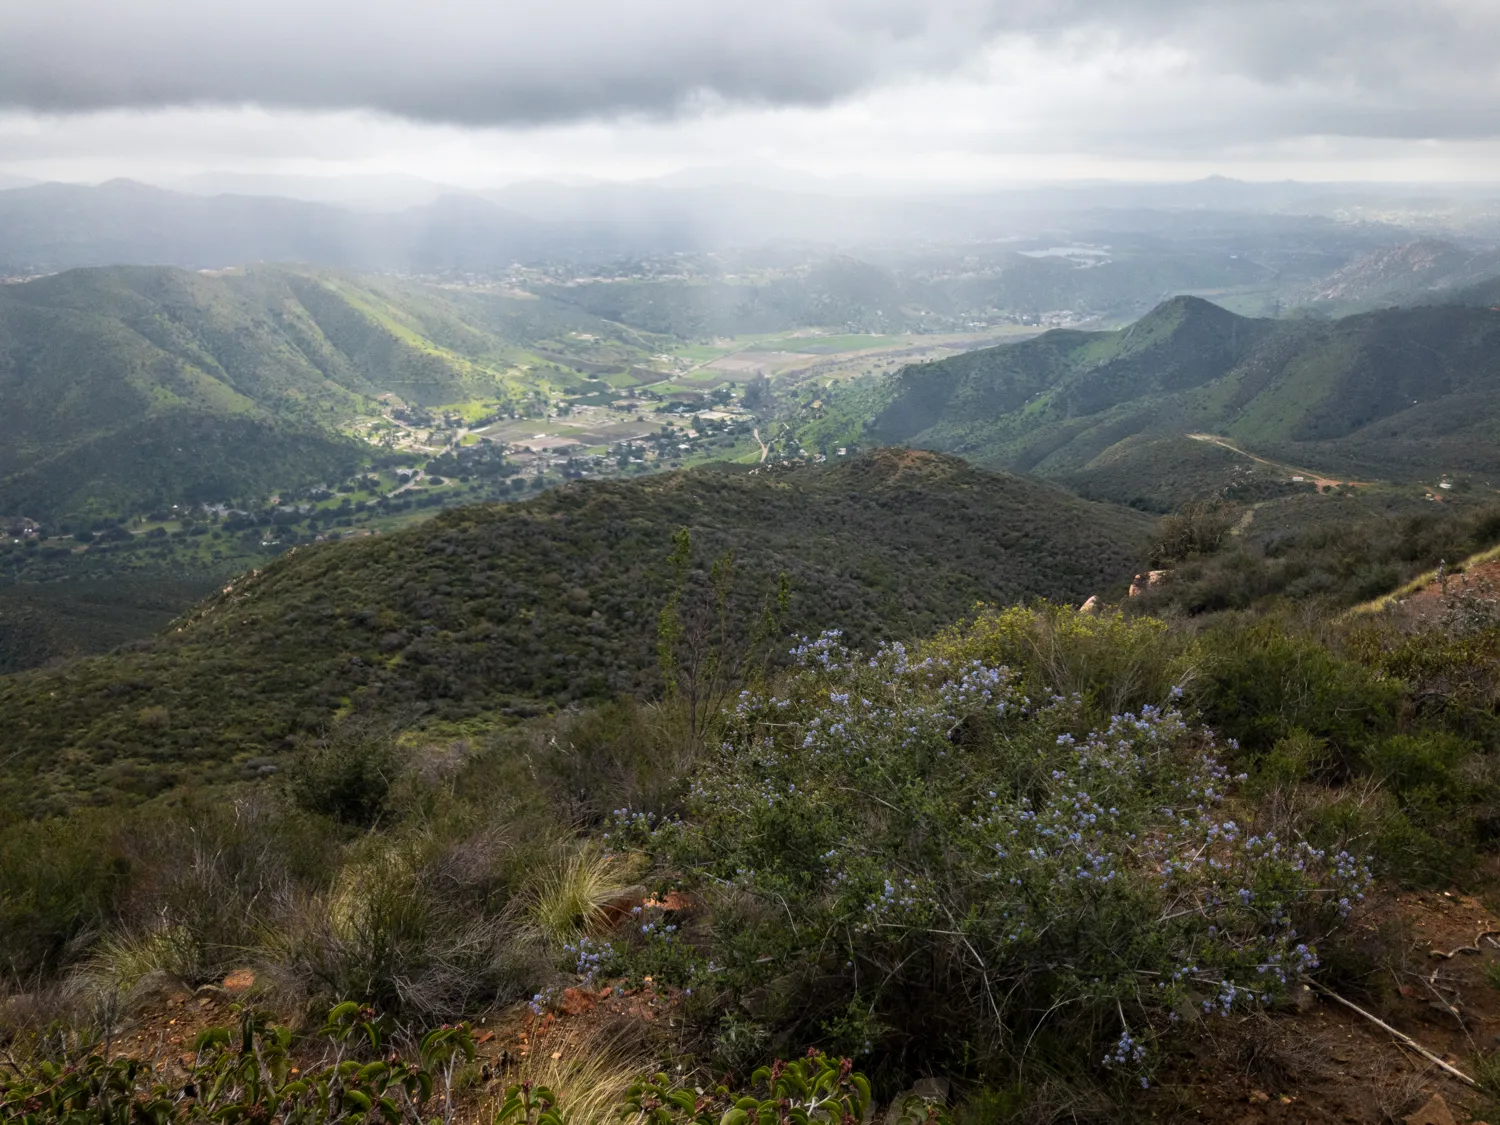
[(1472, 948), (1400, 1037)]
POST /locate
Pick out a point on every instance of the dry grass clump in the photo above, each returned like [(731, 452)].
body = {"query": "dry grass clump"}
[(122, 960), (426, 925), (572, 894), (589, 1068)]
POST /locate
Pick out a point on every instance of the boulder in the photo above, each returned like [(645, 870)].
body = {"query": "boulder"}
[(1434, 1112), (157, 989)]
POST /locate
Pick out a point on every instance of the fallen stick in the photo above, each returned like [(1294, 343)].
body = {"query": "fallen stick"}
[(1464, 948), (1402, 1038)]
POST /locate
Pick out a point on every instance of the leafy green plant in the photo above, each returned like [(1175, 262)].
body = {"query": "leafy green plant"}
[(347, 777), (246, 1075), (525, 1104), (814, 1090)]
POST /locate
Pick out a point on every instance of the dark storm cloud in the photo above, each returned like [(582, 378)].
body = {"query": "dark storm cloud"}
[(468, 61), (1357, 67)]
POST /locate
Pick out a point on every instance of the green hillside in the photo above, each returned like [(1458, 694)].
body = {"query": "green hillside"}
[(138, 386), (519, 607), (1394, 394), (44, 622)]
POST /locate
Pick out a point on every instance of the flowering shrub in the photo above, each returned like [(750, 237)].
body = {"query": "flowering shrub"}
[(923, 849)]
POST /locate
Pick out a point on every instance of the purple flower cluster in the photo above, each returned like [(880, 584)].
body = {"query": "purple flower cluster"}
[(590, 958), (900, 799)]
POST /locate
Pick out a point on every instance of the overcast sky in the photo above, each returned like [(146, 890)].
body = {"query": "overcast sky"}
[(482, 92)]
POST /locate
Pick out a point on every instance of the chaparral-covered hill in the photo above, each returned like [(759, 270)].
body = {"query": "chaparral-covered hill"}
[(515, 608), (1396, 394)]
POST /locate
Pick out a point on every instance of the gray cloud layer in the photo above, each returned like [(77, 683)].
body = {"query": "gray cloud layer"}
[(1357, 67)]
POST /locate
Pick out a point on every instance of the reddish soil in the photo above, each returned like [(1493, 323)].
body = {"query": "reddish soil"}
[(1320, 1064), (1328, 1064), (1481, 578), (165, 1026)]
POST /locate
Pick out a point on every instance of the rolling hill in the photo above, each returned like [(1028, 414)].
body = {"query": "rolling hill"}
[(137, 385), (515, 608), (1401, 394)]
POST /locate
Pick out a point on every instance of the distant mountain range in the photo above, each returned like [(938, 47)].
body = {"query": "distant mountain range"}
[(232, 220), (59, 226), (1395, 394)]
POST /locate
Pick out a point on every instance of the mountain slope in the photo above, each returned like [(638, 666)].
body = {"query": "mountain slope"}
[(525, 605), (1398, 393), (128, 383), (1406, 273)]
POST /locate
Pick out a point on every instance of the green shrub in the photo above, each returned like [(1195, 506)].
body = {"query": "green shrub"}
[(1450, 663), (347, 777), (1199, 528), (1110, 662), (1422, 766), (60, 881), (909, 855), (245, 1073), (1262, 683), (619, 753), (1296, 757), (421, 925)]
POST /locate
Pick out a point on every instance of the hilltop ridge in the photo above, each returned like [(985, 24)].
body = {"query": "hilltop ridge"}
[(515, 608), (1390, 394)]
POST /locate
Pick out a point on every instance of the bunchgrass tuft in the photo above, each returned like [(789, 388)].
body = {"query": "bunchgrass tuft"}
[(572, 894)]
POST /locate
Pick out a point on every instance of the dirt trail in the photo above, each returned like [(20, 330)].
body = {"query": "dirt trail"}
[(765, 450), (1244, 521), (416, 479), (1317, 479)]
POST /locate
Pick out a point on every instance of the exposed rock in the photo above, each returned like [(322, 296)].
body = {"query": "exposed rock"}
[(239, 982), (577, 1002), (158, 988), (1090, 606), (618, 909), (1435, 1112), (1143, 582), (672, 902)]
